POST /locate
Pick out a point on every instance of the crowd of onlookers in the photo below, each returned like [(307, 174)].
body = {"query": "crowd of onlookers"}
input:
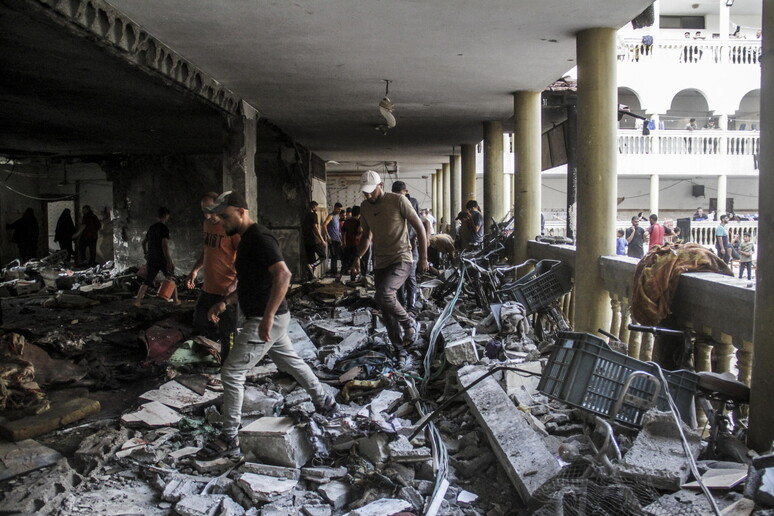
[(732, 249)]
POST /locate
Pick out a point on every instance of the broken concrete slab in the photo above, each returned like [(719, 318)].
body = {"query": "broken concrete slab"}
[(179, 397), (229, 507), (213, 467), (361, 317), (519, 449), (263, 488), (462, 351), (153, 414), (657, 455), (520, 387), (381, 507), (57, 416), (374, 447), (323, 474), (184, 452), (301, 341), (317, 509), (199, 505), (261, 402), (401, 450), (179, 487), (688, 503), (270, 471), (333, 329), (276, 441), (337, 493), (25, 456)]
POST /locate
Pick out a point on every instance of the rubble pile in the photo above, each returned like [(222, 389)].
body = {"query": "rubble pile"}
[(458, 429)]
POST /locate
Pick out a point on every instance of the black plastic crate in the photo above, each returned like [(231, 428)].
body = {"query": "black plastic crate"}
[(584, 372), (550, 280)]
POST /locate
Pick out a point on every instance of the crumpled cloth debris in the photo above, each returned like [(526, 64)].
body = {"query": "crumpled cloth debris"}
[(658, 276), (18, 389)]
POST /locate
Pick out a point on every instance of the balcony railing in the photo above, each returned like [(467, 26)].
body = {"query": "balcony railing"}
[(699, 142), (691, 51), (718, 308), (701, 232)]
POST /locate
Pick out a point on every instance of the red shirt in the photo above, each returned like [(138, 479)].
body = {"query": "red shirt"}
[(656, 235), (350, 232)]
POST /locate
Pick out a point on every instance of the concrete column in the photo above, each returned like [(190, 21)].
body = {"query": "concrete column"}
[(724, 19), (439, 201), (448, 217), (527, 165), (456, 185), (239, 157), (468, 151), (654, 188), (597, 181), (722, 194), (434, 192), (761, 432), (493, 172)]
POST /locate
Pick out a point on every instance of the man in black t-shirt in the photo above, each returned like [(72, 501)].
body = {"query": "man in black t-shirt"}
[(155, 246), (314, 243), (636, 238), (262, 282)]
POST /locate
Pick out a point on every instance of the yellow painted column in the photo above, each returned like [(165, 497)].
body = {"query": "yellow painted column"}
[(527, 167), (434, 193), (468, 151), (456, 185), (761, 433), (493, 172), (448, 217), (597, 181)]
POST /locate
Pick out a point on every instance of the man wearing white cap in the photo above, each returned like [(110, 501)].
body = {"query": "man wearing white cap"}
[(383, 218)]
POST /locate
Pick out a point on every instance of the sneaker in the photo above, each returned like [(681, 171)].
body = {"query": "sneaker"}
[(410, 332), (328, 407), (222, 446)]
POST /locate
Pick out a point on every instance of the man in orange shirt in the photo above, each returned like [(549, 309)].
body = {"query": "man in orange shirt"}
[(217, 260)]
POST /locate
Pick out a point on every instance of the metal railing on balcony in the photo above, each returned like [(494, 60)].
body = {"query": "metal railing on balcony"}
[(691, 51), (719, 309), (679, 142)]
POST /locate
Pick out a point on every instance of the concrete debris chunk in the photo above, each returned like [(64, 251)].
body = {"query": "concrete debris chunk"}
[(519, 449), (374, 447), (337, 493), (361, 317), (276, 441), (323, 474), (179, 397), (25, 456), (198, 505), (385, 401), (657, 456), (688, 503), (184, 452), (229, 507), (271, 471), (153, 414), (178, 488), (333, 329), (462, 351), (301, 342), (261, 402), (381, 507), (466, 498), (318, 509), (213, 467), (401, 450), (412, 496), (263, 488), (522, 387)]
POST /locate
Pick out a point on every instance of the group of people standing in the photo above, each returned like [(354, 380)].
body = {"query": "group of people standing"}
[(26, 233)]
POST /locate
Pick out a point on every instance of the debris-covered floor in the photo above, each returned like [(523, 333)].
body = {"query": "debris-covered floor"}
[(104, 407)]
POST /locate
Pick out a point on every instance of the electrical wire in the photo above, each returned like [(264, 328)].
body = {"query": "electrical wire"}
[(17, 192)]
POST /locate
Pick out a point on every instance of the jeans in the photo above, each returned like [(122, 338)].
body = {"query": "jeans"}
[(221, 331), (388, 281), (249, 350), (83, 244), (407, 294), (742, 266)]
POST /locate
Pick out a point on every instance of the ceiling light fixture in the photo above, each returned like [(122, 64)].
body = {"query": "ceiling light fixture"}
[(385, 108), (729, 3)]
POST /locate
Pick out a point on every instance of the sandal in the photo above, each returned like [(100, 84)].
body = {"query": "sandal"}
[(220, 447)]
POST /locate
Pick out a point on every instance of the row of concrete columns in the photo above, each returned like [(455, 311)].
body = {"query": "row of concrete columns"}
[(597, 194), (722, 195)]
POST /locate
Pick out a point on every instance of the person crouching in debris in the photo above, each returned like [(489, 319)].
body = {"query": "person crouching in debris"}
[(155, 246), (217, 262), (383, 218), (262, 282)]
